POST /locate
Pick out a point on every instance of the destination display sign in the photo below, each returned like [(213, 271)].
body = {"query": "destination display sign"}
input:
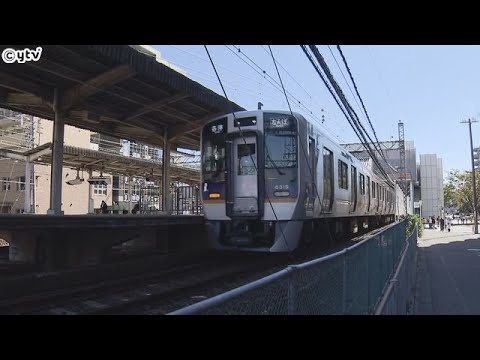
[(279, 121), (216, 127)]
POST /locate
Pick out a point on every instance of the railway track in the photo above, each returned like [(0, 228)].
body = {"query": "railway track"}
[(114, 296), (160, 291), (159, 299)]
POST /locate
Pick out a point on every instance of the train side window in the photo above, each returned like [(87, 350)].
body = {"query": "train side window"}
[(362, 184), (374, 190), (342, 175), (368, 192), (378, 192), (327, 180)]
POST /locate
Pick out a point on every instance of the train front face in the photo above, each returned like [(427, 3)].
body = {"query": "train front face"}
[(250, 181)]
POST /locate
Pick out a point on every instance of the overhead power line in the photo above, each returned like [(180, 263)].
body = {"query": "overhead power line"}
[(361, 100), (352, 117), (259, 70)]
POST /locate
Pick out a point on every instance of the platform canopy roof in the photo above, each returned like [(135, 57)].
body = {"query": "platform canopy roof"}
[(115, 90), (87, 159)]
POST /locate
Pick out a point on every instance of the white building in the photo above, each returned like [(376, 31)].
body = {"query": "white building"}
[(431, 185)]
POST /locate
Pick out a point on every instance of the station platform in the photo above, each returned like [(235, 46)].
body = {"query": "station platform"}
[(448, 272), (68, 241)]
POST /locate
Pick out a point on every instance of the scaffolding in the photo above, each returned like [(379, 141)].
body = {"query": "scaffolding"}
[(21, 133), (17, 131)]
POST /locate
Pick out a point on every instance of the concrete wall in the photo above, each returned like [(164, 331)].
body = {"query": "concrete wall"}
[(73, 136), (74, 197)]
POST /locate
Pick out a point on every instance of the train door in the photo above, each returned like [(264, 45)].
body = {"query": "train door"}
[(245, 176), (353, 194), (312, 164), (328, 188), (312, 159), (378, 197)]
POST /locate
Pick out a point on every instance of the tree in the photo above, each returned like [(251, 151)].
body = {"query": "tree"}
[(449, 195), (458, 190)]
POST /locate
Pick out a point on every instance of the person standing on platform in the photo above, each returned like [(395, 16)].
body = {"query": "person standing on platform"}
[(104, 207)]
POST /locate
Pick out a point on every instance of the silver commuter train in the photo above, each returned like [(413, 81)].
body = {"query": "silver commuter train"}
[(272, 182)]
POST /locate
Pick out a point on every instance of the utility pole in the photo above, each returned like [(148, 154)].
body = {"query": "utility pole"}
[(403, 164), (473, 175)]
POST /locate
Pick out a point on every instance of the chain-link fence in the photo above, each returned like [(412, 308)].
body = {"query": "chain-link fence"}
[(351, 281), (398, 296)]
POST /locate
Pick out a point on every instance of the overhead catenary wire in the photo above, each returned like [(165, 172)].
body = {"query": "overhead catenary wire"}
[(291, 77), (361, 100), (303, 148), (347, 110), (270, 80), (298, 102), (241, 89), (300, 85), (343, 75), (353, 116), (269, 83), (259, 70), (218, 66), (376, 145), (245, 142)]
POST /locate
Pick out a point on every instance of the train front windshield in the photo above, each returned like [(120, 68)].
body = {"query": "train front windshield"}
[(280, 142)]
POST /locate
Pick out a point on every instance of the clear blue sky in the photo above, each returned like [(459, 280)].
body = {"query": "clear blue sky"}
[(430, 88)]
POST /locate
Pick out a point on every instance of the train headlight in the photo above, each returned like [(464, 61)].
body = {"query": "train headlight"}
[(281, 193), (214, 196)]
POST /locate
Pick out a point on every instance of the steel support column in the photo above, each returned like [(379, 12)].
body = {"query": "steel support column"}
[(27, 207), (130, 194), (57, 156), (91, 204), (166, 174)]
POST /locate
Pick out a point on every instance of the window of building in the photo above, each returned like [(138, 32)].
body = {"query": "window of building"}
[(5, 184), (100, 189), (21, 183)]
